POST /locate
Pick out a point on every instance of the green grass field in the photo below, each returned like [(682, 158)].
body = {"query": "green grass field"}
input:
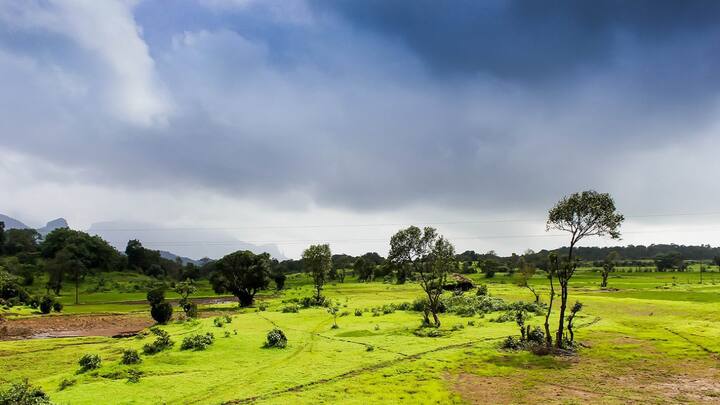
[(653, 338)]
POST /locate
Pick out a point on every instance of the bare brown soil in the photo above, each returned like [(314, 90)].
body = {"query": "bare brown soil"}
[(73, 325)]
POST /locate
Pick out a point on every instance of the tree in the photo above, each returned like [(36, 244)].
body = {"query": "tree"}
[(66, 262), (608, 267), (430, 257), (2, 237), (584, 214), (525, 273), (716, 260), (185, 289), (670, 261), (19, 241), (363, 269), (318, 262), (243, 274)]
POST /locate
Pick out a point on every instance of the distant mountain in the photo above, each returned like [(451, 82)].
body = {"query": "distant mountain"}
[(185, 243), (185, 260), (12, 223), (53, 225)]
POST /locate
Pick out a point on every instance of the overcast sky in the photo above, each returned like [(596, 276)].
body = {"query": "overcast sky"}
[(290, 121)]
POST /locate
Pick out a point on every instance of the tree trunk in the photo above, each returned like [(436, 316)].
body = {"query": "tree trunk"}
[(604, 280), (548, 336), (561, 323), (245, 298)]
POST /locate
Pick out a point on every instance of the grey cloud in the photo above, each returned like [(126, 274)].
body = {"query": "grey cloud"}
[(364, 122)]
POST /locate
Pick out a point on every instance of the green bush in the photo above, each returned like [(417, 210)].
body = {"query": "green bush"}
[(130, 356), (161, 312), (482, 290), (24, 394), (197, 342), (65, 383), (57, 306), (89, 362), (276, 338), (358, 312), (292, 308), (191, 309), (156, 296), (162, 342), (46, 304)]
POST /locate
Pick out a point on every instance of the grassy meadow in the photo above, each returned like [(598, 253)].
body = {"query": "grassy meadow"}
[(650, 338)]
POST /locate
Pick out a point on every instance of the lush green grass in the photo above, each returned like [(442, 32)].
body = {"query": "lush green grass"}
[(652, 322)]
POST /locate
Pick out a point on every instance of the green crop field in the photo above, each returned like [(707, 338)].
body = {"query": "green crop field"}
[(650, 338)]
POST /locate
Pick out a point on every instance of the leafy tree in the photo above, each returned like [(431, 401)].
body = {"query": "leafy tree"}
[(185, 289), (363, 269), (670, 261), (588, 213), (278, 276), (525, 273), (66, 262), (716, 260), (243, 274), (428, 255), (317, 260), (2, 237), (93, 251), (608, 267), (19, 241)]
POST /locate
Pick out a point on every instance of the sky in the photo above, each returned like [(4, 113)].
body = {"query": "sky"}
[(195, 124)]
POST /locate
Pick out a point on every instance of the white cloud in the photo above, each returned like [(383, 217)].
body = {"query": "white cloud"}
[(107, 30)]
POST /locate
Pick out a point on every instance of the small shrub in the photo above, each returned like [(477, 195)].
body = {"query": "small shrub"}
[(536, 335), (65, 383), (161, 312), (358, 312), (219, 322), (227, 318), (57, 306), (23, 393), (227, 334), (46, 304), (191, 309), (471, 323), (197, 342), (344, 313), (162, 342), (490, 274), (482, 290), (428, 332), (89, 362), (130, 356), (458, 326), (512, 343), (377, 327), (369, 348), (263, 306), (134, 376), (292, 309), (276, 338)]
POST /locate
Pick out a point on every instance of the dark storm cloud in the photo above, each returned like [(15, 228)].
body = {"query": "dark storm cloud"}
[(526, 40), (365, 105)]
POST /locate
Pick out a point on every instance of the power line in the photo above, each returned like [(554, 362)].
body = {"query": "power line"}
[(373, 240), (371, 225)]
